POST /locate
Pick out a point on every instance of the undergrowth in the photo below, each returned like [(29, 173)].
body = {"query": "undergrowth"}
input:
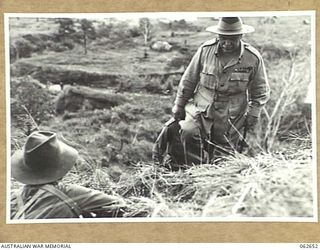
[(239, 186)]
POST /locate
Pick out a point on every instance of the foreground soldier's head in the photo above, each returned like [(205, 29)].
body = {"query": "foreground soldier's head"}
[(43, 159)]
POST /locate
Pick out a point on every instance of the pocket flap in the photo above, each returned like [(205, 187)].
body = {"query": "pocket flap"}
[(208, 80), (237, 76)]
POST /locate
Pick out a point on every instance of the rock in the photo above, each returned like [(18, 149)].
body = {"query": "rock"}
[(54, 88), (161, 46)]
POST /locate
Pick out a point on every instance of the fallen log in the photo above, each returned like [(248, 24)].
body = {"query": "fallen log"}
[(75, 98)]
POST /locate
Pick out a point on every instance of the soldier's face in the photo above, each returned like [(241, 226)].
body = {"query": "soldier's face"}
[(229, 44)]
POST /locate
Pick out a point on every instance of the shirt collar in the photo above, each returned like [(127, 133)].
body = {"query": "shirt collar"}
[(241, 49)]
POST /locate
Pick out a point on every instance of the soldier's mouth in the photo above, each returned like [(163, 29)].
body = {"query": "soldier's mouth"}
[(227, 49)]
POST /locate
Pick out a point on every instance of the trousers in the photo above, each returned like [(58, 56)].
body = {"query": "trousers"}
[(206, 139)]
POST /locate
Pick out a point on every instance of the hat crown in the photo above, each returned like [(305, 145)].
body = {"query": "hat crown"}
[(36, 139), (41, 148), (230, 24)]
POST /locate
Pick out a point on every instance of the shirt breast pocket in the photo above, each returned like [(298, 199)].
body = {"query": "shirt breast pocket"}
[(239, 81), (208, 80)]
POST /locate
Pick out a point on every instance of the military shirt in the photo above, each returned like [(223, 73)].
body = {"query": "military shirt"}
[(239, 86), (49, 206)]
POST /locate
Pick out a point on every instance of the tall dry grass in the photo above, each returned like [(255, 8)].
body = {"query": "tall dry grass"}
[(283, 113), (240, 186)]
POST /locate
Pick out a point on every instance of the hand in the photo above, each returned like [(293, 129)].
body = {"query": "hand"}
[(178, 113), (251, 122)]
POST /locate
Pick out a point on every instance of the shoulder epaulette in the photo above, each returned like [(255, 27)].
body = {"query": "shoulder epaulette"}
[(210, 42), (252, 50)]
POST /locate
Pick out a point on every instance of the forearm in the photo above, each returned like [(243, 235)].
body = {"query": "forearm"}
[(259, 91), (258, 99), (185, 92)]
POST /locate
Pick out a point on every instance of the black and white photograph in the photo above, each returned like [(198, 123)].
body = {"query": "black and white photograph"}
[(161, 117)]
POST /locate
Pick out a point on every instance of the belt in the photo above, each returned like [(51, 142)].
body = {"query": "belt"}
[(221, 97)]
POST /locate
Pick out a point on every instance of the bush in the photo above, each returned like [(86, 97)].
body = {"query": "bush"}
[(128, 112), (22, 48), (56, 47), (154, 86), (104, 30), (138, 151), (179, 61), (134, 32), (116, 35), (24, 92)]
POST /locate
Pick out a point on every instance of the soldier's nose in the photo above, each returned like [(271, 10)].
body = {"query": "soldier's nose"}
[(227, 42)]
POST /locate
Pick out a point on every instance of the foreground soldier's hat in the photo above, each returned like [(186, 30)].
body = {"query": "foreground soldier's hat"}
[(43, 159), (230, 26)]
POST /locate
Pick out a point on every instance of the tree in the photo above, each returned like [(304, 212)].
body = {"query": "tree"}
[(72, 31), (145, 27), (88, 32), (66, 27)]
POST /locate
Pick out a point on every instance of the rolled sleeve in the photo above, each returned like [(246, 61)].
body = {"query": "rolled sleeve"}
[(189, 80), (259, 91)]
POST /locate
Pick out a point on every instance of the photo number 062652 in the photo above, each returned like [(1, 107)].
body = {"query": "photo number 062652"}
[(309, 246)]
